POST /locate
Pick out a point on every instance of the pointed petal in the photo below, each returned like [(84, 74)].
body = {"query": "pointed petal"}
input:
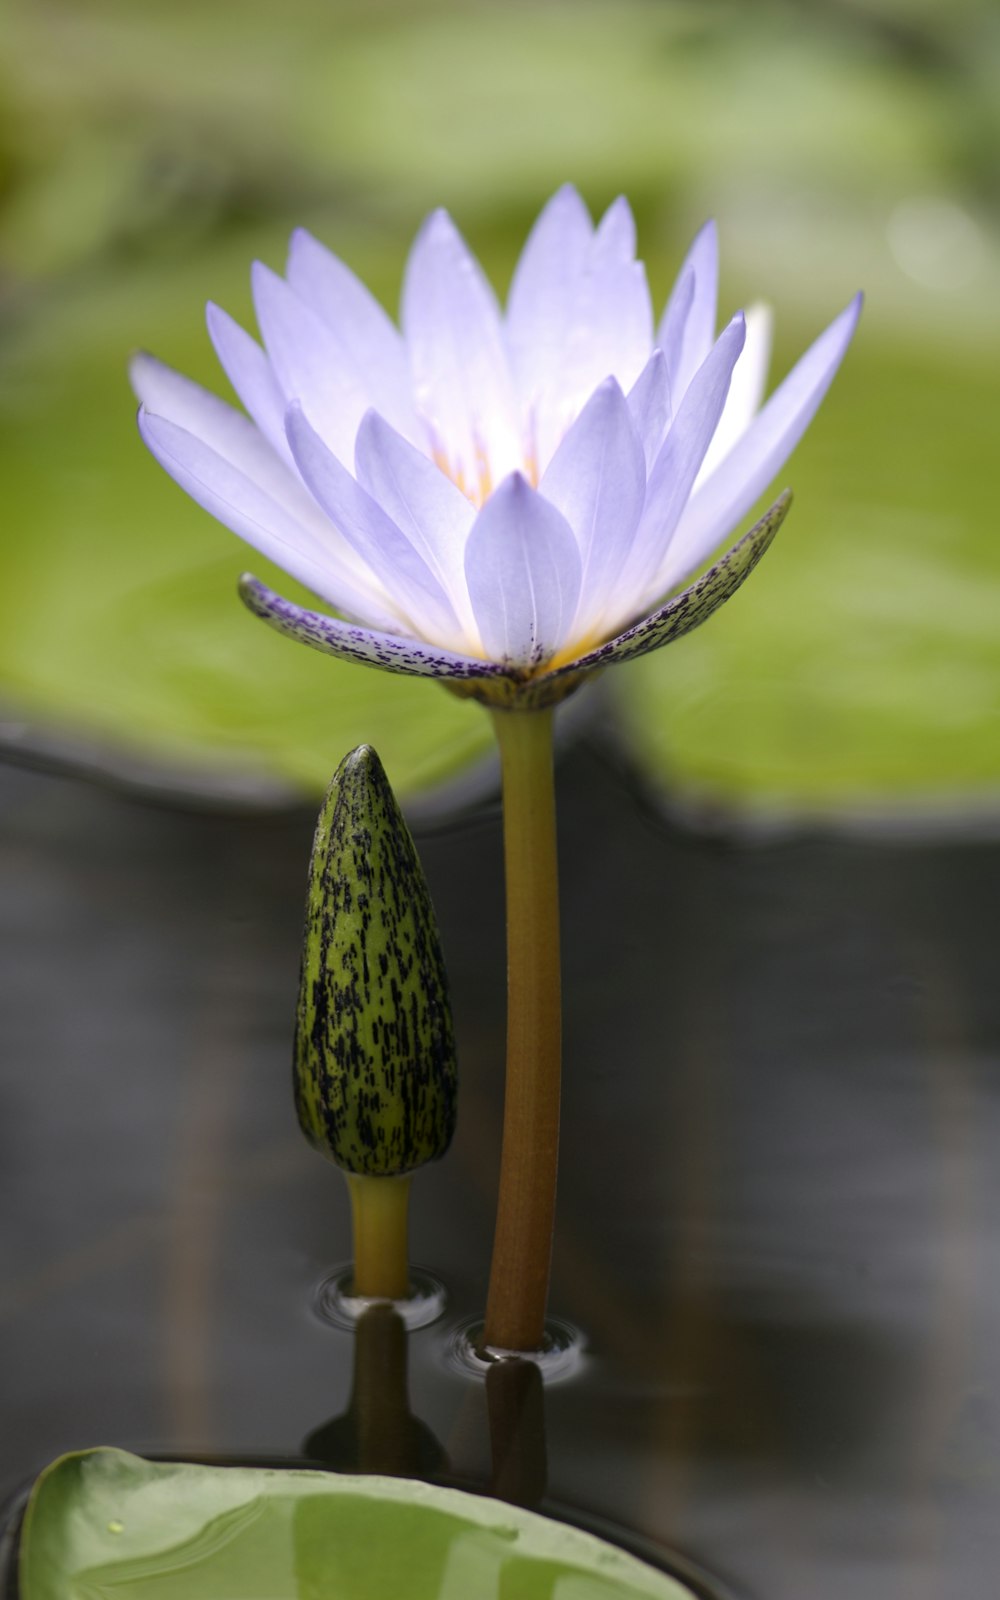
[(608, 329), (687, 330), (367, 528), (696, 604), (649, 403), (242, 505), (249, 371), (623, 309), (677, 464), (166, 393), (232, 436), (422, 502), (462, 381), (388, 651), (762, 451), (579, 313), (673, 323), (542, 288), (746, 390), (522, 566), (310, 363), (597, 479), (363, 329)]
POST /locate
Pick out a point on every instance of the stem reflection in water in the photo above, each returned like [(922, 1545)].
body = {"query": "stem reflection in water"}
[(378, 1433)]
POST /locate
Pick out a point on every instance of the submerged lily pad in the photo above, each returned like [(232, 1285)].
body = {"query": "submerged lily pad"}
[(106, 1525)]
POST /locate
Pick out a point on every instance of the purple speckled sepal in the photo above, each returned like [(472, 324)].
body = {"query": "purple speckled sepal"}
[(354, 643), (695, 604)]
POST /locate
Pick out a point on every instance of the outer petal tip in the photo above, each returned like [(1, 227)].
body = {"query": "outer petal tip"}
[(216, 318), (262, 277), (139, 363), (438, 225), (846, 322)]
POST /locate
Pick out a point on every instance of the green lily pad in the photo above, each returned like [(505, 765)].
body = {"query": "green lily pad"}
[(106, 1525), (119, 615), (859, 666)]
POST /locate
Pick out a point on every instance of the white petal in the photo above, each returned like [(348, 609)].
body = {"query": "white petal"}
[(677, 464), (228, 494), (597, 479), (622, 294), (169, 394), (249, 371), (462, 381), (371, 340), (746, 391), (234, 437), (604, 329), (687, 330), (762, 451), (649, 404), (426, 505), (522, 566), (310, 362), (542, 289), (372, 533)]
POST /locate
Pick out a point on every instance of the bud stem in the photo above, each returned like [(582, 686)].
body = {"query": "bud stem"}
[(522, 1248), (379, 1209)]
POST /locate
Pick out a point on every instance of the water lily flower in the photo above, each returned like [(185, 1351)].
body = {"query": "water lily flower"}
[(505, 499)]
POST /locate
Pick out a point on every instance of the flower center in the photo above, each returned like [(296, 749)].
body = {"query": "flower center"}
[(477, 481)]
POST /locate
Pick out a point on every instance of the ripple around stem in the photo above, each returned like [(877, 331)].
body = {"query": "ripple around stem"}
[(335, 1303), (562, 1355)]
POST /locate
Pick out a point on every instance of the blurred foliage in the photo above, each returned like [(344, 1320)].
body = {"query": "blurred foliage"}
[(148, 153)]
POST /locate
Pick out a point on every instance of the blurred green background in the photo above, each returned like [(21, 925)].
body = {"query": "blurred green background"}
[(149, 152)]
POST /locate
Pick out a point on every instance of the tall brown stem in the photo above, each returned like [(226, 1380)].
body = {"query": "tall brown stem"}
[(522, 1249)]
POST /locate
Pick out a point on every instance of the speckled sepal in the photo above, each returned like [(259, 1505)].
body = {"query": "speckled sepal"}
[(374, 1068), (352, 642)]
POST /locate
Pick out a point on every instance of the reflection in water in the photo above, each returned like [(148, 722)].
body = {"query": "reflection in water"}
[(378, 1433), (791, 1299), (515, 1398)]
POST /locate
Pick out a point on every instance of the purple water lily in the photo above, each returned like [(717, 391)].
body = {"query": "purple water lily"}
[(499, 498)]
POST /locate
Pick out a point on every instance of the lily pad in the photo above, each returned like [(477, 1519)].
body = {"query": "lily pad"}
[(119, 615), (106, 1525), (859, 666)]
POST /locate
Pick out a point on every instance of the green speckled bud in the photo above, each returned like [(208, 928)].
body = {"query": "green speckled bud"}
[(375, 1074)]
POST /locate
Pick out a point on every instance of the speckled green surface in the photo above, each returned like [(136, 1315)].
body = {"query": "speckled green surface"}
[(375, 1069)]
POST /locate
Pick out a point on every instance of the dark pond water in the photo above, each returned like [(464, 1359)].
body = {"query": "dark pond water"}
[(779, 1221)]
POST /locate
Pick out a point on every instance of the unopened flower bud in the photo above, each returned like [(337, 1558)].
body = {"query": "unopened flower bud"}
[(375, 1070)]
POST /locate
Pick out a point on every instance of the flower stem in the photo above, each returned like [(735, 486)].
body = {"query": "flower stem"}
[(379, 1210), (522, 1248)]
